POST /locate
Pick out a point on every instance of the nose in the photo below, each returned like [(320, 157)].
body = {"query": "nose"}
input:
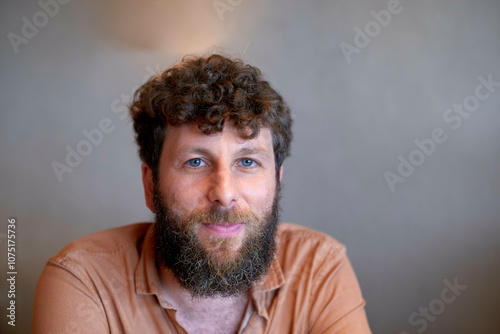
[(223, 188)]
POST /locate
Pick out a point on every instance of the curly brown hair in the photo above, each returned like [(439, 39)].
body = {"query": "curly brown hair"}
[(208, 91)]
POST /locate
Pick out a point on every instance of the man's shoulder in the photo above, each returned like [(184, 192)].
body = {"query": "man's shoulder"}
[(290, 231), (126, 238), (299, 242)]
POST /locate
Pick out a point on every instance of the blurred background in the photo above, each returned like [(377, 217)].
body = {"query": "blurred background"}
[(396, 151)]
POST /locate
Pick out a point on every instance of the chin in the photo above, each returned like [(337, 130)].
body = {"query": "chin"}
[(225, 256), (224, 249)]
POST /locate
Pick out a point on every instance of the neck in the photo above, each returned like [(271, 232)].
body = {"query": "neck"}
[(204, 315), (182, 299)]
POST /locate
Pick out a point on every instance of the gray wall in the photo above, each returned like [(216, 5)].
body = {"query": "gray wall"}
[(353, 119)]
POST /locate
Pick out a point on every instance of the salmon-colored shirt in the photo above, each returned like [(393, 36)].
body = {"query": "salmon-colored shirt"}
[(107, 282)]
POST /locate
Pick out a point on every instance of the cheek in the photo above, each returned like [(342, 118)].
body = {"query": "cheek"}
[(260, 195), (182, 196)]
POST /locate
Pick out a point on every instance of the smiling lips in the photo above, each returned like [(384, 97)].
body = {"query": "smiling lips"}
[(224, 230)]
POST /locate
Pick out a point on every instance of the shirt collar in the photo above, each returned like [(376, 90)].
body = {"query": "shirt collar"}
[(147, 280), (273, 280), (263, 292)]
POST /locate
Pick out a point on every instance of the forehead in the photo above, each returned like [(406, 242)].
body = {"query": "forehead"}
[(186, 136)]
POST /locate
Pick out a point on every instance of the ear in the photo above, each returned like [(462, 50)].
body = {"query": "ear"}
[(281, 172), (147, 182)]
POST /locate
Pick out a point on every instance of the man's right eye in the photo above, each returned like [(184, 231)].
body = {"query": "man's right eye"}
[(196, 162)]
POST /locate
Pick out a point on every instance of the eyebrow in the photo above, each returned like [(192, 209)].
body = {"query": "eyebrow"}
[(252, 150), (196, 150), (207, 152)]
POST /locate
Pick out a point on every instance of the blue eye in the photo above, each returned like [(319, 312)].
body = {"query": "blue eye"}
[(247, 162), (195, 162)]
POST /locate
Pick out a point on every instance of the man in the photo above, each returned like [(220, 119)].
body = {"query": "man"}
[(212, 136)]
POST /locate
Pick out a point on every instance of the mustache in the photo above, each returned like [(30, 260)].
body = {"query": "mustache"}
[(217, 215)]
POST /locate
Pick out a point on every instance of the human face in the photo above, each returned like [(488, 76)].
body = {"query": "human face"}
[(199, 172)]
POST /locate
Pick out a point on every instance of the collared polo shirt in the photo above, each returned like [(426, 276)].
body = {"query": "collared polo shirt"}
[(107, 282)]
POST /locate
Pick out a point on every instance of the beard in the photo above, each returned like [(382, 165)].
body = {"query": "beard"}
[(220, 270)]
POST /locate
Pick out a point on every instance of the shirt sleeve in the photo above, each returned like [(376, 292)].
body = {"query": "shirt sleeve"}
[(337, 304), (66, 303)]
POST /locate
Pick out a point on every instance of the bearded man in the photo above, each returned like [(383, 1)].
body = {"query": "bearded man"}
[(213, 136)]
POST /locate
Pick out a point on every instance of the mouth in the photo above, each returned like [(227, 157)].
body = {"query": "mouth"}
[(223, 229)]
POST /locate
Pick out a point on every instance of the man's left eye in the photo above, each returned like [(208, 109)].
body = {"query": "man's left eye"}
[(247, 162)]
